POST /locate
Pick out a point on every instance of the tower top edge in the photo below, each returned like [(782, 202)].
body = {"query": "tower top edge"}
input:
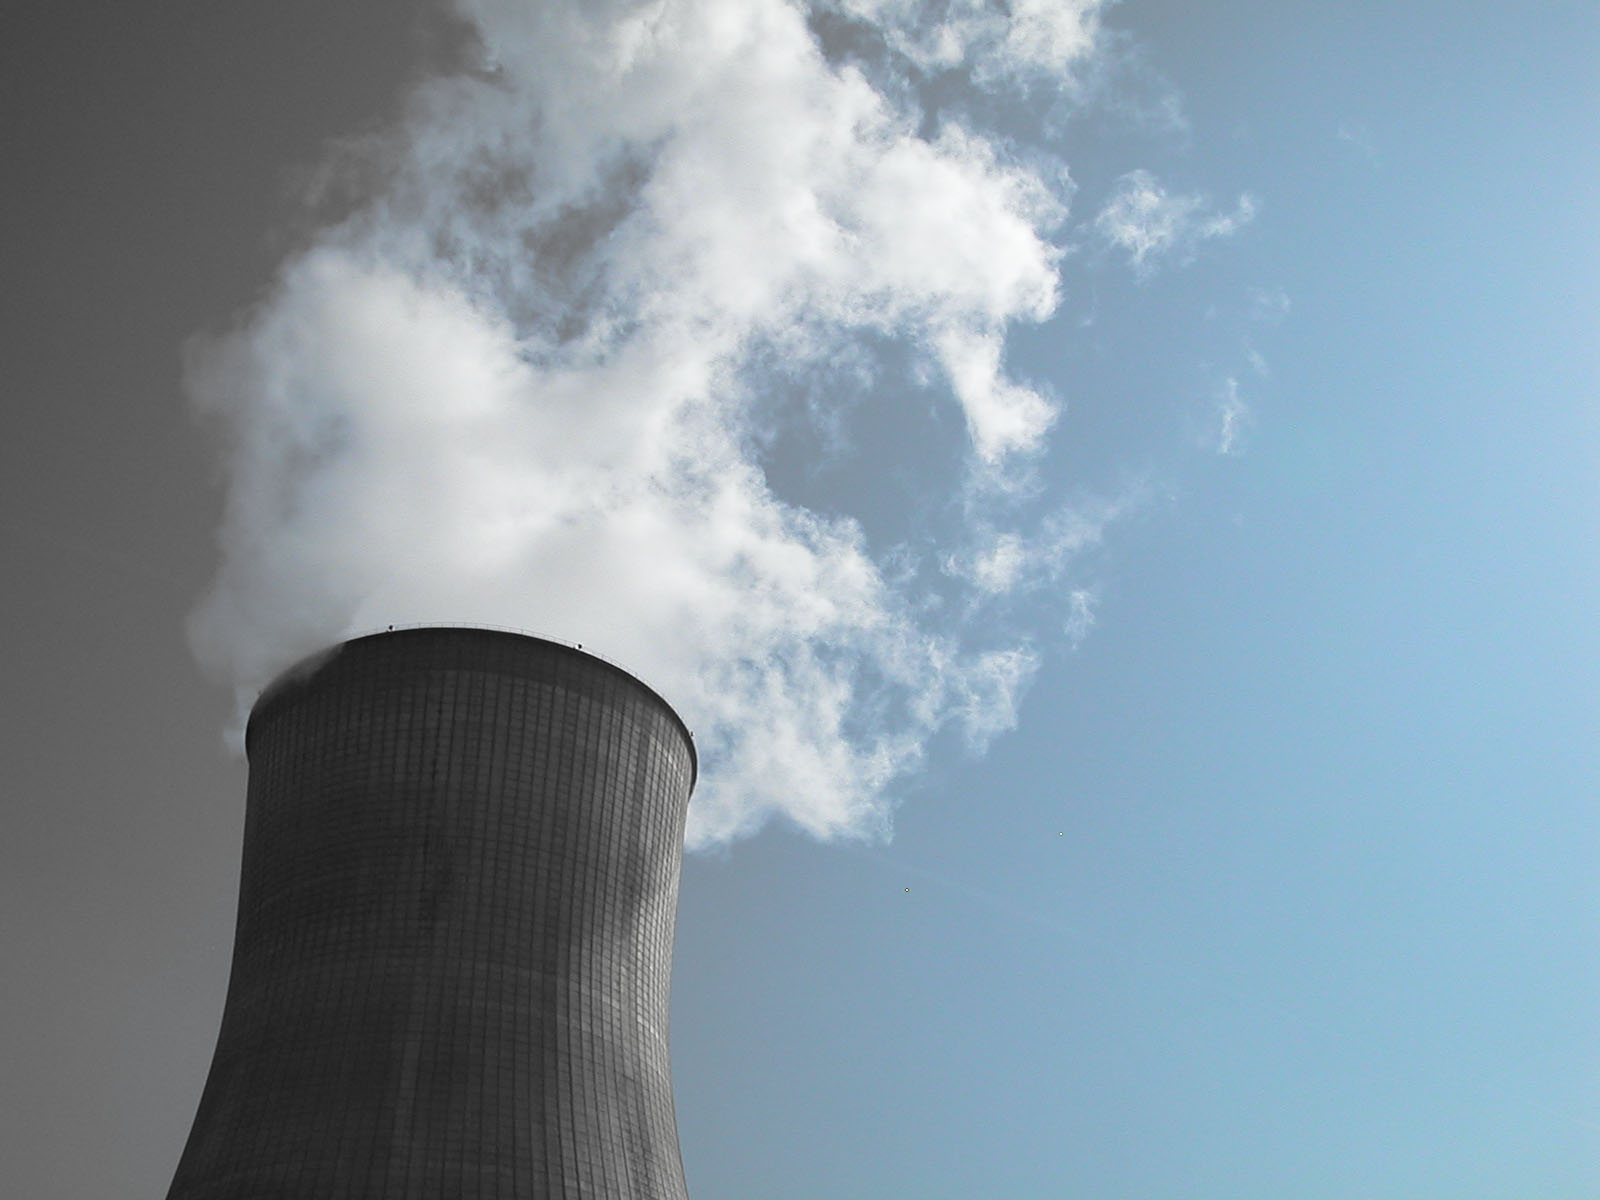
[(307, 668)]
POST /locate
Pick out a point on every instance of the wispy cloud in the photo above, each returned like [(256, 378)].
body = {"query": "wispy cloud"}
[(1081, 604), (1047, 39), (1231, 419), (1001, 562), (1149, 223), (1268, 306), (1358, 139)]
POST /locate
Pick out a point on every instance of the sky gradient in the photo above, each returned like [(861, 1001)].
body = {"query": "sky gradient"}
[(1284, 884)]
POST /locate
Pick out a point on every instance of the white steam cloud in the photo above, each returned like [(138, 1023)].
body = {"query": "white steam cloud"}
[(517, 382)]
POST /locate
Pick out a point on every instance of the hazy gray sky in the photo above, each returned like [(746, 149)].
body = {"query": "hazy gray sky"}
[(1113, 488)]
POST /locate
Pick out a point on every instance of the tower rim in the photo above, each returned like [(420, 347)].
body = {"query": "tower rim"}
[(287, 681)]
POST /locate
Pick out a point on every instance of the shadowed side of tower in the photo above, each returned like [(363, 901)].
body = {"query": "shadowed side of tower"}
[(452, 962)]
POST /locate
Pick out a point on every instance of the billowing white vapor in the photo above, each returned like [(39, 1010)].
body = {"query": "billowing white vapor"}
[(521, 382)]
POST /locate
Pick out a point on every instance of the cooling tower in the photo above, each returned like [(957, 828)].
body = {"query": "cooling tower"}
[(454, 944)]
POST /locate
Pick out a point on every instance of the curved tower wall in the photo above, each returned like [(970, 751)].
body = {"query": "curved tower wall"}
[(453, 954)]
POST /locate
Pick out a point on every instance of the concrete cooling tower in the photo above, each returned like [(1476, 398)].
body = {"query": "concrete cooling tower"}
[(454, 943)]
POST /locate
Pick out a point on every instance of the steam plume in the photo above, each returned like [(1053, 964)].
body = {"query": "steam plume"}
[(521, 381)]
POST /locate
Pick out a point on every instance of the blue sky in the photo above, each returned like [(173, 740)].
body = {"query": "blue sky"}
[(1284, 883)]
